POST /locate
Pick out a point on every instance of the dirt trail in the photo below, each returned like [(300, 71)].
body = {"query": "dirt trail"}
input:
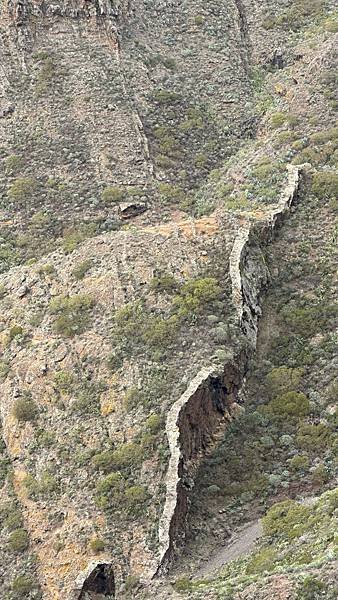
[(242, 543)]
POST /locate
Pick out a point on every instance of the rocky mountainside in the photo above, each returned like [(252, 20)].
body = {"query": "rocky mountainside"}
[(162, 164)]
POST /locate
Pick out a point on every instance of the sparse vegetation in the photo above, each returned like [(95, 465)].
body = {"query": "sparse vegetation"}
[(22, 189), (18, 540), (82, 269), (113, 194), (97, 545), (72, 314), (22, 586), (25, 410), (325, 184)]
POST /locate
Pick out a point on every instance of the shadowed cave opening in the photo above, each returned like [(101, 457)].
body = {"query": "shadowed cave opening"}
[(99, 585)]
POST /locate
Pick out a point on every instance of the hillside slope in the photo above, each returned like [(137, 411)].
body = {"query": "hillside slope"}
[(162, 164)]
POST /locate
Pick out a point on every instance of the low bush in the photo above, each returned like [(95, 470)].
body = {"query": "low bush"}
[(153, 423), (314, 438), (286, 520), (165, 97), (13, 520), (125, 456), (18, 540), (64, 381), (299, 463), (113, 194), (170, 193), (283, 379), (292, 404), (196, 296), (15, 331), (314, 589), (132, 582), (325, 184), (135, 497), (97, 545), (25, 410), (72, 314), (278, 119), (23, 188), (22, 586), (262, 561), (81, 269), (159, 332)]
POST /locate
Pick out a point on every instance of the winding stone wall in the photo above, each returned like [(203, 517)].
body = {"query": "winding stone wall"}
[(210, 401)]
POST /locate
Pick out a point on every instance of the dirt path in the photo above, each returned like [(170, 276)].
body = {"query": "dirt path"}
[(241, 543)]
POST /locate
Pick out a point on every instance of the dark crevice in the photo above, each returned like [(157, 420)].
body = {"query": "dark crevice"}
[(99, 584)]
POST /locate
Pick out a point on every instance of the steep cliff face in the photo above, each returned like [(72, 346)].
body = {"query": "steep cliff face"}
[(141, 176)]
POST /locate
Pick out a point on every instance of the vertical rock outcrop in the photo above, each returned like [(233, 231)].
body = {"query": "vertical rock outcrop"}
[(211, 400)]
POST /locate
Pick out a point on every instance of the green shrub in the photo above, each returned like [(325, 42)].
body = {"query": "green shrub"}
[(130, 320), (164, 97), (97, 545), (63, 381), (15, 331), (292, 404), (320, 476), (278, 119), (81, 269), (314, 437), (307, 320), (72, 314), (196, 296), (237, 202), (47, 74), (22, 586), (327, 135), (266, 170), (153, 423), (4, 370), (43, 486), (32, 486), (25, 410), (183, 584), (170, 193), (47, 483), (13, 163), (296, 15), (71, 239), (112, 484), (283, 379), (131, 583), (299, 463), (18, 540), (314, 589), (262, 561), (115, 360), (199, 20), (325, 184), (113, 194), (125, 456), (160, 332), (13, 520), (132, 398), (135, 497), (47, 269), (287, 520), (23, 188)]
